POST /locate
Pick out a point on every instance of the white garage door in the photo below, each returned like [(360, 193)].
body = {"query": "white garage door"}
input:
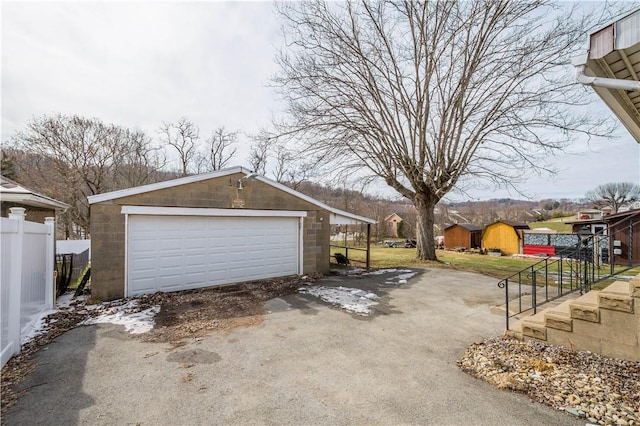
[(169, 253)]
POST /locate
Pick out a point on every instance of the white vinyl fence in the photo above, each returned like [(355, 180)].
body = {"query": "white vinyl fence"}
[(26, 277)]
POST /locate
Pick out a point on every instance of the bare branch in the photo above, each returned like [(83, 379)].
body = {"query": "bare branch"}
[(427, 95), (183, 136), (221, 147)]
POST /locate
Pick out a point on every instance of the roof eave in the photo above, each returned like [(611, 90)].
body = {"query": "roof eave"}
[(615, 42), (35, 200), (113, 195), (337, 216)]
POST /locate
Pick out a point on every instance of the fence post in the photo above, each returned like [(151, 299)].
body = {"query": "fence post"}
[(50, 265), (15, 281)]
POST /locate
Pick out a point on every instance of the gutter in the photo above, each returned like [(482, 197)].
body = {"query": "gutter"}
[(609, 83)]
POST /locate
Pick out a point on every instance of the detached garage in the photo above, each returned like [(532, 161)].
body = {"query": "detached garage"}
[(205, 230)]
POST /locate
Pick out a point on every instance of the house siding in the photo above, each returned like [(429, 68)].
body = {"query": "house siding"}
[(108, 224), (620, 232), (391, 226)]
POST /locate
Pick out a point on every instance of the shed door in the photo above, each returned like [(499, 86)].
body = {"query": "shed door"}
[(170, 253)]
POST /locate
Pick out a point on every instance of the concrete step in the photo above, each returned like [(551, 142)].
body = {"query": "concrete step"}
[(559, 317), (526, 304), (586, 307), (617, 297), (534, 326), (515, 330), (635, 286)]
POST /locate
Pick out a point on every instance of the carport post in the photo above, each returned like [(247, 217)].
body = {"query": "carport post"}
[(368, 245)]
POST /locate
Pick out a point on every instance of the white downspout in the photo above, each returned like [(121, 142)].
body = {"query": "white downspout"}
[(609, 83)]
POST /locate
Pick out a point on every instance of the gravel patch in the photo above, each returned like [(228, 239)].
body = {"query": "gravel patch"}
[(602, 390)]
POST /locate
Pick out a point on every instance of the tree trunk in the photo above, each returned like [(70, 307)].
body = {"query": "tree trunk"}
[(425, 206)]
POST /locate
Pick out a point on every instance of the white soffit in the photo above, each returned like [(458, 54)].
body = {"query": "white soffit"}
[(614, 55)]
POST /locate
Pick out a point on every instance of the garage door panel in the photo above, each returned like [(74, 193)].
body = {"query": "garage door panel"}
[(144, 265), (195, 243), (214, 258), (195, 260), (194, 279), (142, 245), (169, 253), (170, 244)]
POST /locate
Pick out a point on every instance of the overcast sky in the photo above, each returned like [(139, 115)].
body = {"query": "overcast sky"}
[(138, 64)]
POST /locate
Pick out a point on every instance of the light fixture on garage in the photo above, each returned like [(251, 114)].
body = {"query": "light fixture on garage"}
[(238, 202), (249, 176)]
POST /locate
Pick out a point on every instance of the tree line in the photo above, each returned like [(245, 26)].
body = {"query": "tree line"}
[(70, 157)]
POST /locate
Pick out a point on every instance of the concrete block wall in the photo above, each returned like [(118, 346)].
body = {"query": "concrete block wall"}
[(605, 322), (108, 224)]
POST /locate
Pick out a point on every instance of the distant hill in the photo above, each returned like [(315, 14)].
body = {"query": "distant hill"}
[(542, 213)]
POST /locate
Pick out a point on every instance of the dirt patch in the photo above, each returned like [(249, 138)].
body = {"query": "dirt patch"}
[(196, 313)]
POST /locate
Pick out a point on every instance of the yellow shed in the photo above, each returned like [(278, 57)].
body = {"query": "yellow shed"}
[(505, 235)]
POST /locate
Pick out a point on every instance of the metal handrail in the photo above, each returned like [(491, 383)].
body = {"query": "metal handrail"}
[(569, 271)]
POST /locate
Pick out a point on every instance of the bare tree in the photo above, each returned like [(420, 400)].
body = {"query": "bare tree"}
[(141, 162), (7, 165), (284, 158), (183, 136), (432, 96), (71, 157), (221, 147), (614, 195), (292, 166), (259, 153)]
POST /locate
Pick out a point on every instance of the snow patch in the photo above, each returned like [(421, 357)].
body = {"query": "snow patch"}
[(351, 299), (128, 315), (37, 327), (404, 275), (64, 301), (380, 272)]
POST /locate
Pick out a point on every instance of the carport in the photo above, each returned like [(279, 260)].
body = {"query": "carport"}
[(205, 230)]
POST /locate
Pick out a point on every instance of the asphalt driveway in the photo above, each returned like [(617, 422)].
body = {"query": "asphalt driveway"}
[(306, 363)]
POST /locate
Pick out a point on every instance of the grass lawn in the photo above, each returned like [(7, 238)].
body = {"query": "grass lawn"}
[(384, 257), (558, 224), (499, 267)]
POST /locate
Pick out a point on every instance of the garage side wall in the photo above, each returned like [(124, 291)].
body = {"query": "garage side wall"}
[(107, 251), (108, 224)]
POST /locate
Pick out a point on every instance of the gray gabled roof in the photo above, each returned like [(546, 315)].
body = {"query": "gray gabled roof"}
[(337, 216), (468, 226)]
